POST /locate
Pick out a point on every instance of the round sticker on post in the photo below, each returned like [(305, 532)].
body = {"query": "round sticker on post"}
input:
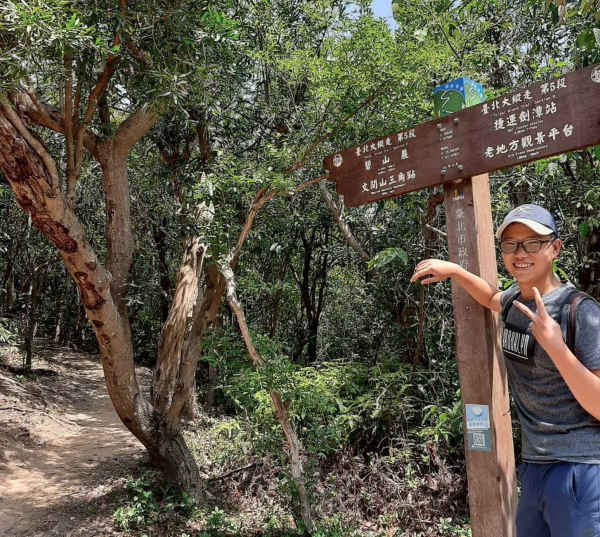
[(337, 160), (596, 75)]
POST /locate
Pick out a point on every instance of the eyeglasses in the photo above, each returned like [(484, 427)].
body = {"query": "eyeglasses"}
[(531, 246)]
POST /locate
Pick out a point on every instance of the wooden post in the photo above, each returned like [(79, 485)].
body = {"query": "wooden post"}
[(542, 120), (490, 474)]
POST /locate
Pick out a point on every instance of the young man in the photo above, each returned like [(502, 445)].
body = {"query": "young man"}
[(556, 391)]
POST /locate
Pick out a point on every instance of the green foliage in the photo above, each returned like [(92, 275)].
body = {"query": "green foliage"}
[(252, 96), (217, 523), (148, 502), (39, 33), (332, 404), (387, 256), (446, 528), (8, 336), (443, 425)]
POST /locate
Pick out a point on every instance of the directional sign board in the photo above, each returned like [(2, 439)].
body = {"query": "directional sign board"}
[(543, 120)]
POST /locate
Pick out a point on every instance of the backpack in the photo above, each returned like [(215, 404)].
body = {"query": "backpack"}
[(568, 312)]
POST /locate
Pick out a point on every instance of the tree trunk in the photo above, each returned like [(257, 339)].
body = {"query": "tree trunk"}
[(295, 449), (36, 286), (10, 293), (80, 319), (170, 454), (33, 177), (335, 208), (311, 340), (8, 284), (203, 315), (29, 333), (172, 338), (190, 410), (9, 273), (312, 292), (57, 314)]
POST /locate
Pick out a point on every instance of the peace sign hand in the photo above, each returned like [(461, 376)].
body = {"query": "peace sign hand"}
[(544, 328)]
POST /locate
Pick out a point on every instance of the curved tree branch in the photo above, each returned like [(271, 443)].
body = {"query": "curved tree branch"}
[(336, 211)]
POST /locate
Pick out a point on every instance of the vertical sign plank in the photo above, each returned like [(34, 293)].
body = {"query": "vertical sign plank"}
[(490, 472)]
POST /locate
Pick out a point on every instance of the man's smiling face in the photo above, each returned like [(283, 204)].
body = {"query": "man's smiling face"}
[(532, 269)]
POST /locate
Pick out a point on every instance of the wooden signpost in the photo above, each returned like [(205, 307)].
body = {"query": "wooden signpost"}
[(537, 122), (458, 151)]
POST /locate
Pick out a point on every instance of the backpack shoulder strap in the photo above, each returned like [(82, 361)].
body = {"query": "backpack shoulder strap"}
[(513, 294), (568, 316), (568, 312)]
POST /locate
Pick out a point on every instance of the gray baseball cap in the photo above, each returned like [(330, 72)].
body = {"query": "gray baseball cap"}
[(533, 216)]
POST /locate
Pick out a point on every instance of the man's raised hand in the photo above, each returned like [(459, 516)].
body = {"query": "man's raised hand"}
[(436, 269), (544, 328)]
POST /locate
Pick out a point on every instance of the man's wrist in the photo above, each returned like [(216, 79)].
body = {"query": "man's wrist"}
[(559, 352), (460, 272)]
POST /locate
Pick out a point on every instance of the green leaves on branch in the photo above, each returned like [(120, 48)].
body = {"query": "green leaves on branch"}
[(387, 256), (36, 36), (219, 25), (443, 424)]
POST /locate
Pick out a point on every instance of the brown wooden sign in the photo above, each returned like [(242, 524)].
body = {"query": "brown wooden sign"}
[(543, 120)]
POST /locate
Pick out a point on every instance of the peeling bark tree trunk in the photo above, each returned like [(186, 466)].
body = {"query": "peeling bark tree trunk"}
[(192, 311), (33, 177), (175, 373), (203, 315), (190, 410), (172, 337)]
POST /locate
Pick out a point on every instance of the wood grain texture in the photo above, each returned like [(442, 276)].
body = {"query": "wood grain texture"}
[(491, 475), (546, 119)]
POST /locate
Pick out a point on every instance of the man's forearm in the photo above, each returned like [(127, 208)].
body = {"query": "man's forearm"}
[(583, 383), (482, 291)]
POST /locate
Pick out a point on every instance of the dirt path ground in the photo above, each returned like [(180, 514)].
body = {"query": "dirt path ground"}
[(63, 450)]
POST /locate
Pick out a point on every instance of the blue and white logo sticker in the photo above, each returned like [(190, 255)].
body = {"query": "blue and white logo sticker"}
[(477, 416)]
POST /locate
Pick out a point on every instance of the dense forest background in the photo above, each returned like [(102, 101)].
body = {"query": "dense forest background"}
[(180, 147)]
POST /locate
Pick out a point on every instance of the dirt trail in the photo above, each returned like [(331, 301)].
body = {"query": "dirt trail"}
[(60, 463)]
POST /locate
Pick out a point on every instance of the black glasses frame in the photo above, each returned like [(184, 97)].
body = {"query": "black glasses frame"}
[(531, 246)]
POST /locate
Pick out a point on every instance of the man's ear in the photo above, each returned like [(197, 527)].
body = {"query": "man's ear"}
[(556, 245)]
